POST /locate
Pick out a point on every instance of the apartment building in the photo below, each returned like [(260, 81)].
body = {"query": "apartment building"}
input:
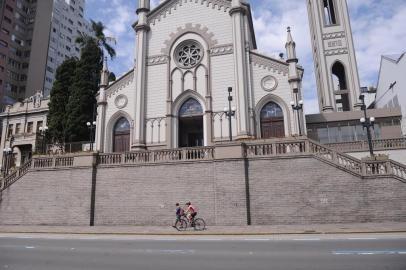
[(35, 38)]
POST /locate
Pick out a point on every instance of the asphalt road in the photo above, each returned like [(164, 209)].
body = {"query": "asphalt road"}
[(60, 252)]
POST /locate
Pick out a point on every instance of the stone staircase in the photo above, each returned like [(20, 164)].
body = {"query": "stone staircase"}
[(250, 149)]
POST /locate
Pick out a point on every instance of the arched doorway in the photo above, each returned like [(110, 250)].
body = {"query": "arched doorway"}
[(121, 135), (272, 123), (190, 124)]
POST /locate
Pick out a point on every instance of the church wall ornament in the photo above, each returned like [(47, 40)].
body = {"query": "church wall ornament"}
[(222, 50), (340, 34), (157, 60), (336, 52), (189, 28), (269, 83), (121, 101)]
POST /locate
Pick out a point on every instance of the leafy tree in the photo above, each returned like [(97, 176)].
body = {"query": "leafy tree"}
[(59, 98), (82, 100)]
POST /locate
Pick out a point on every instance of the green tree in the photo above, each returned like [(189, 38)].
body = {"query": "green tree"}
[(59, 98), (82, 101), (101, 40), (112, 77)]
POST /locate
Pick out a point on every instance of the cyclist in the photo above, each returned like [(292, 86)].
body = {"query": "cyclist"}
[(179, 213), (191, 212)]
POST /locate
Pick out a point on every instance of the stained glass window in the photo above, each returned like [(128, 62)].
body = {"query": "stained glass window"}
[(122, 125), (271, 110), (191, 107), (189, 54)]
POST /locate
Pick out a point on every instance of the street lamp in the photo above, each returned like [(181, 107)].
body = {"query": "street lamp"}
[(43, 131), (297, 106), (367, 123), (230, 112), (91, 126)]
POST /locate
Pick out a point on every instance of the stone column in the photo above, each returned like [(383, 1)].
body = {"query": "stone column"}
[(237, 13), (141, 29)]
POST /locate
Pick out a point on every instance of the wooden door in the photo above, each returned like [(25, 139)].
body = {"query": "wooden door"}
[(273, 128)]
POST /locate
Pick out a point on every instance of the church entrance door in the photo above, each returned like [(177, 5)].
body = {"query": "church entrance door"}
[(191, 124), (272, 123), (121, 138)]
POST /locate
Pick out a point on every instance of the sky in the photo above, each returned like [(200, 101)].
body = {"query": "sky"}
[(379, 28)]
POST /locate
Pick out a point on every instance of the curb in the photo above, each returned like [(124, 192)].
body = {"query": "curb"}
[(207, 234)]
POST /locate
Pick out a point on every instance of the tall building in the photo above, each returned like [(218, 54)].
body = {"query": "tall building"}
[(391, 87), (335, 64), (35, 37), (338, 85)]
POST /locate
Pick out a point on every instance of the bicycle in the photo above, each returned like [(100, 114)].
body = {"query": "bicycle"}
[(183, 223)]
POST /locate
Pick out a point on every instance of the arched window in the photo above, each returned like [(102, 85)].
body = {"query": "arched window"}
[(272, 123), (190, 124), (340, 85), (329, 12), (121, 135)]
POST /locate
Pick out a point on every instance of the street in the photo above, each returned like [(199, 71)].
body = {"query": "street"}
[(60, 252)]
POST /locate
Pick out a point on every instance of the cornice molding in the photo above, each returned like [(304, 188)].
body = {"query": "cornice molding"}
[(120, 84), (269, 63), (222, 50), (340, 34), (157, 60)]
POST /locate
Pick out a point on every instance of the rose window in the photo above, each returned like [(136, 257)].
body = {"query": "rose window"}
[(188, 54)]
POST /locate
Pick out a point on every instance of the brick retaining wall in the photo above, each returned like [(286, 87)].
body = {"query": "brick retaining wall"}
[(293, 190)]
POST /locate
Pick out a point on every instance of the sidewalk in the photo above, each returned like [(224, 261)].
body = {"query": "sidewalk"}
[(389, 227)]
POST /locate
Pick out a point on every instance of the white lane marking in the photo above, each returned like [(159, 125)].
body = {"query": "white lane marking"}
[(307, 239), (369, 252), (360, 238), (29, 247)]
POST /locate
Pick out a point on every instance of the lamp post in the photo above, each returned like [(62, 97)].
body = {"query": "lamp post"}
[(91, 127), (367, 123), (43, 131), (297, 106), (230, 112)]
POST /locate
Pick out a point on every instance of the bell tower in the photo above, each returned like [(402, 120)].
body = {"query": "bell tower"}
[(335, 65)]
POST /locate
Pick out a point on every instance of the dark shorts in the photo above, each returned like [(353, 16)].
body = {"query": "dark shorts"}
[(193, 214)]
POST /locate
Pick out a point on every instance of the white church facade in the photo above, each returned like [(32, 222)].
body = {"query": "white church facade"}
[(188, 55)]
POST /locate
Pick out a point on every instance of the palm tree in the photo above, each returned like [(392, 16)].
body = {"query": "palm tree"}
[(99, 38)]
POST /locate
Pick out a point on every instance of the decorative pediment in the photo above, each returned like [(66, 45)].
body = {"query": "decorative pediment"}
[(269, 63), (168, 6), (121, 83)]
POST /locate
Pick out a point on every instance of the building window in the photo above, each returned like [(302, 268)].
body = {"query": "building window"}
[(329, 12), (188, 54), (18, 128), (30, 126)]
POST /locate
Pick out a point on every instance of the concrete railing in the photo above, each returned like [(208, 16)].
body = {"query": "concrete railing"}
[(184, 154), (252, 149), (357, 146)]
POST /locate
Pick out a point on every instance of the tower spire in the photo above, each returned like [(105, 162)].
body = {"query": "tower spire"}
[(290, 47), (104, 80)]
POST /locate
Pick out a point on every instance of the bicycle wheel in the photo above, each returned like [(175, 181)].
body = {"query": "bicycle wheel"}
[(181, 224), (200, 225)]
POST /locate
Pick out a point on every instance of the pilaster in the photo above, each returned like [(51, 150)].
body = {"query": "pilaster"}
[(141, 29), (237, 12)]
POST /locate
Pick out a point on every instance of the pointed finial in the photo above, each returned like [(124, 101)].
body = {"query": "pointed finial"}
[(105, 63)]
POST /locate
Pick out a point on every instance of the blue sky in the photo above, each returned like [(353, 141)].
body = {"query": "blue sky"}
[(379, 27)]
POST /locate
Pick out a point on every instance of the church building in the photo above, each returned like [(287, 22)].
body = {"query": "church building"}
[(189, 54)]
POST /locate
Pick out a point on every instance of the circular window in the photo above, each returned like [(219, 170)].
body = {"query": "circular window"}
[(188, 54)]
